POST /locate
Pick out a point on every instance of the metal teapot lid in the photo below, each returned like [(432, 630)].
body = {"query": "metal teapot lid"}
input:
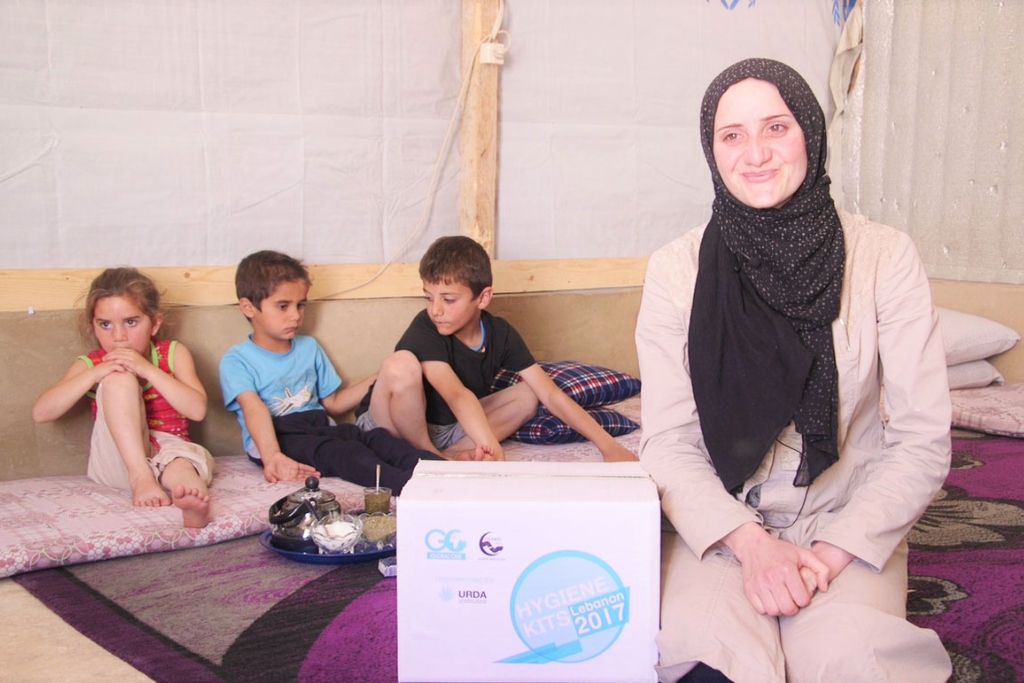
[(310, 499), (311, 491)]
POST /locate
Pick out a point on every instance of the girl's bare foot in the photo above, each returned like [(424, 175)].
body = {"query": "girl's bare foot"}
[(148, 493), (195, 506)]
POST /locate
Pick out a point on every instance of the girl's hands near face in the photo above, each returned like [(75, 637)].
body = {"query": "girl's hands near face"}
[(129, 360), (106, 367)]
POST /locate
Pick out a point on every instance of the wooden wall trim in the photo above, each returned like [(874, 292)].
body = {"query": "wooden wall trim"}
[(61, 289)]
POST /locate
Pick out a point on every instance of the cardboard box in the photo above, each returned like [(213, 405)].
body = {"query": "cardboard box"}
[(528, 571)]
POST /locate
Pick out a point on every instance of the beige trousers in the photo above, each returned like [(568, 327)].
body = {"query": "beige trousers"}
[(856, 631), (107, 467)]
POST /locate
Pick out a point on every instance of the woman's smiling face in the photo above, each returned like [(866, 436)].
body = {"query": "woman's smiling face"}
[(758, 145)]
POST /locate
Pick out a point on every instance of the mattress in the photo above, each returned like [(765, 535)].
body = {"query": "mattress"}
[(55, 521)]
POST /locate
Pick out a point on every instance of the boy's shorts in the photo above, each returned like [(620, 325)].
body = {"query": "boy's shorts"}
[(442, 436), (107, 467)]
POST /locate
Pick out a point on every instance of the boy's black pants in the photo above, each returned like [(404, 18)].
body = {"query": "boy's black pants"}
[(346, 451)]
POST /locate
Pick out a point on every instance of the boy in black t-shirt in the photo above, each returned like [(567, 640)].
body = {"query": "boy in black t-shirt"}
[(434, 391)]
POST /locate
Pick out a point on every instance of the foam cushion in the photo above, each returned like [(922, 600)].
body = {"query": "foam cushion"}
[(591, 386), (971, 337), (994, 409), (55, 521), (973, 374), (546, 429)]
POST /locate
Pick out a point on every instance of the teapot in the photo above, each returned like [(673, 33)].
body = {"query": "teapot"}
[(292, 517)]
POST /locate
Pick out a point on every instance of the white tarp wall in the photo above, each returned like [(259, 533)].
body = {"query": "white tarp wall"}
[(192, 132)]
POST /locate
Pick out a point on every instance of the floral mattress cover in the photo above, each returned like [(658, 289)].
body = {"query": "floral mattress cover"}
[(54, 521)]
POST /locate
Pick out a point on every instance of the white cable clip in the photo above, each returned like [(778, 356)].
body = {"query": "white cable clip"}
[(495, 46), (492, 53)]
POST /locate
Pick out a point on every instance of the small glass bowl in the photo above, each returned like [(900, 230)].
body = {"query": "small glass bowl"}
[(336, 533), (379, 529)]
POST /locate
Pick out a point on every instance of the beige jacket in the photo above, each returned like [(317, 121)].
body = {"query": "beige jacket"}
[(887, 332)]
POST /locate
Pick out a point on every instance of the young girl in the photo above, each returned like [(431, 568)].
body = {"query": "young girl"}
[(143, 393)]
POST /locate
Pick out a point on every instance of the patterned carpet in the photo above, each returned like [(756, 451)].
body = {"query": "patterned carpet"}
[(238, 612), (231, 612), (967, 561)]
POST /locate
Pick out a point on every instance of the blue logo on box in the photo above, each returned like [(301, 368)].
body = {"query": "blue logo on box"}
[(567, 606), (444, 545)]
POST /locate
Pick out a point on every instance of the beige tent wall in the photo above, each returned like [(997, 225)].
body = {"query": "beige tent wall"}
[(932, 144), (933, 140)]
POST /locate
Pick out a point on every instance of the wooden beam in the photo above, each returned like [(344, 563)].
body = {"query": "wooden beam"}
[(478, 141), (53, 289)]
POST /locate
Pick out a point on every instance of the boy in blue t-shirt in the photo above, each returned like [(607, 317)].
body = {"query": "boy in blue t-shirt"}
[(435, 389), (282, 387)]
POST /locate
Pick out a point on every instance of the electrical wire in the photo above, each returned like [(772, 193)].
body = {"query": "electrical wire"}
[(460, 103), (455, 119)]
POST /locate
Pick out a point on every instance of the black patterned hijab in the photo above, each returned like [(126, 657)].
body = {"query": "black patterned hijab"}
[(767, 291)]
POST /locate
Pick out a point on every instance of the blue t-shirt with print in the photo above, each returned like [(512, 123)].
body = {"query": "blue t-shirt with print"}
[(288, 382)]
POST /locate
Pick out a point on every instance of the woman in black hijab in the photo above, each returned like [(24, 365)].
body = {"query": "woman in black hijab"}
[(764, 339)]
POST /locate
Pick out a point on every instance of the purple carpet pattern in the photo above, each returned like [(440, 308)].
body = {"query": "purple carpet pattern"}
[(231, 612), (239, 612), (967, 561)]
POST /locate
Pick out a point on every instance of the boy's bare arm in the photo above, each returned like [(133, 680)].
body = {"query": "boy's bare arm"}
[(276, 465), (570, 412), (464, 404), (346, 398)]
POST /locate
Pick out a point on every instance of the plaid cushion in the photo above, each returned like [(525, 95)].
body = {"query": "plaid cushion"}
[(546, 429), (591, 386)]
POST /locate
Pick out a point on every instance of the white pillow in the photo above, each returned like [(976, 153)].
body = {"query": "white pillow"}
[(973, 374), (970, 337)]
